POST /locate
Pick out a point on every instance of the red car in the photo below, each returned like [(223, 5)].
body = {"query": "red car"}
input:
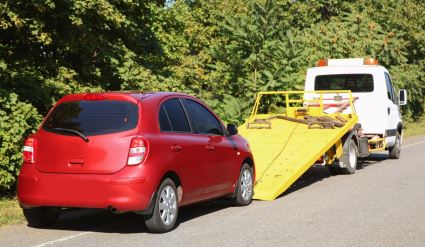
[(149, 153)]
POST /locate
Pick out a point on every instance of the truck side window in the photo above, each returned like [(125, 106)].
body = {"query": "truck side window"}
[(390, 88)]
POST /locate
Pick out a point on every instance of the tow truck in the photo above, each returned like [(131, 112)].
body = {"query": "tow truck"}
[(348, 110)]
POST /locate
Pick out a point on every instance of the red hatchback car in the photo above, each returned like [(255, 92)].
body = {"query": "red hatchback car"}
[(149, 153)]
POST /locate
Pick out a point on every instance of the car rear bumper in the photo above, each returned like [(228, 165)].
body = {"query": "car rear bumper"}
[(122, 191)]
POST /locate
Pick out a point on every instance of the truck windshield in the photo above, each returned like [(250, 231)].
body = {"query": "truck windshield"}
[(92, 117), (355, 82)]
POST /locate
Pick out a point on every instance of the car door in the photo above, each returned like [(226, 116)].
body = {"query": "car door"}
[(186, 149), (220, 151)]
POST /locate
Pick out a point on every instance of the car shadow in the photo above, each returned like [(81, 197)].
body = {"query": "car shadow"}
[(101, 220)]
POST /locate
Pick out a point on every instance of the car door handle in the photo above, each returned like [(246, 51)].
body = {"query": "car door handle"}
[(209, 148), (176, 148), (389, 110)]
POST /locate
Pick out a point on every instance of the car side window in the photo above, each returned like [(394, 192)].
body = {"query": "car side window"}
[(164, 120), (205, 121), (390, 89), (172, 117)]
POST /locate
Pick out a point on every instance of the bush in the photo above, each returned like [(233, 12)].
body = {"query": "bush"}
[(17, 121)]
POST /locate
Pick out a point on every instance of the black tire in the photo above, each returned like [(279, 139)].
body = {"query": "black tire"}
[(245, 187), (350, 159), (41, 216), (164, 219), (394, 151), (349, 163)]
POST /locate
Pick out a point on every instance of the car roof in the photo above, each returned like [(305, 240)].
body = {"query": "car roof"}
[(135, 95)]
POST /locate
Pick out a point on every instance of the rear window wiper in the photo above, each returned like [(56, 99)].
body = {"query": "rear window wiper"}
[(73, 131)]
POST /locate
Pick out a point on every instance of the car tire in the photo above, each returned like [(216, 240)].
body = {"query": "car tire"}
[(394, 151), (245, 187), (41, 216), (165, 212)]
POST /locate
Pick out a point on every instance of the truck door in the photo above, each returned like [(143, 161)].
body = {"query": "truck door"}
[(392, 111)]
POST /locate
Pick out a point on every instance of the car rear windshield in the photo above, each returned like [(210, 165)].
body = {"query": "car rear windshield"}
[(92, 117), (355, 82)]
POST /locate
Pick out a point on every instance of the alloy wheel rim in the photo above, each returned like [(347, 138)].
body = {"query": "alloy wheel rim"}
[(168, 205), (246, 185)]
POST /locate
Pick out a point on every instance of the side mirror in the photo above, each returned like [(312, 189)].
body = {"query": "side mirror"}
[(232, 129), (402, 97)]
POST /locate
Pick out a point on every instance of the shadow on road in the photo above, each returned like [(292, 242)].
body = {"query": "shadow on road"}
[(98, 220), (318, 173)]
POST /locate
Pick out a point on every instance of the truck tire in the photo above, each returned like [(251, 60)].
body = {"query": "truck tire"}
[(349, 160), (394, 151), (166, 209), (41, 216)]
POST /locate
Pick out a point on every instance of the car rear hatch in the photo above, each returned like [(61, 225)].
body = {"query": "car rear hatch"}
[(88, 135)]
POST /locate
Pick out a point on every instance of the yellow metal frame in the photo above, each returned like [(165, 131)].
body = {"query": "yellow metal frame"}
[(383, 142), (288, 101), (286, 150)]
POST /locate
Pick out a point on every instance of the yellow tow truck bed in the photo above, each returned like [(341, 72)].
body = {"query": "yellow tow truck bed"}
[(285, 145)]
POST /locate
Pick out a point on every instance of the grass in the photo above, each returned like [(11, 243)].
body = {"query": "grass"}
[(414, 128), (10, 212)]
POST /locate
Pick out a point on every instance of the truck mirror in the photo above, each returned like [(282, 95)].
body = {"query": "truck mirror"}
[(402, 97)]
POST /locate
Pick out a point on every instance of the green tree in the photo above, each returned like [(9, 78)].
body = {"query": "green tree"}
[(17, 120)]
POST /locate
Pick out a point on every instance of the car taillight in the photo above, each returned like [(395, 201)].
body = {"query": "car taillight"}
[(28, 150), (137, 152)]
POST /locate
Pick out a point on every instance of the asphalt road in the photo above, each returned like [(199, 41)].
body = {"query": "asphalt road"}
[(383, 204)]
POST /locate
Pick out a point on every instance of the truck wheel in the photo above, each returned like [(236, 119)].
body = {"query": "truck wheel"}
[(244, 188), (164, 216), (394, 151), (41, 216), (350, 159)]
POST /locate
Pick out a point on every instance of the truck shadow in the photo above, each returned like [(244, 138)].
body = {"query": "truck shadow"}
[(318, 173)]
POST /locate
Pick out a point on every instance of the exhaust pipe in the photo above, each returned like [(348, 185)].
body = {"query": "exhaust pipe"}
[(115, 210)]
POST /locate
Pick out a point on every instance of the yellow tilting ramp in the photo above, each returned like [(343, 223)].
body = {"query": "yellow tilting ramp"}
[(286, 144)]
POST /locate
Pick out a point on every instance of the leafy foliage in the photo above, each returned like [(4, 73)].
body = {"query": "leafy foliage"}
[(221, 51), (17, 120)]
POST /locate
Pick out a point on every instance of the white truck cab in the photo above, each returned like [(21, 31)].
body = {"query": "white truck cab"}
[(377, 102)]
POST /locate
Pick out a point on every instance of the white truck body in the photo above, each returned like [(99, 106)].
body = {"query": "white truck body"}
[(377, 104)]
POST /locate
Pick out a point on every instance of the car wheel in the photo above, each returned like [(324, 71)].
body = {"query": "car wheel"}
[(41, 216), (165, 212), (394, 151), (244, 188)]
